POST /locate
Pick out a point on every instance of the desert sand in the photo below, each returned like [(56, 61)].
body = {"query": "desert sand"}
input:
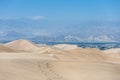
[(24, 60)]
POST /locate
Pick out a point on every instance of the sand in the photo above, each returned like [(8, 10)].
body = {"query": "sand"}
[(24, 60), (65, 46), (23, 45), (4, 48)]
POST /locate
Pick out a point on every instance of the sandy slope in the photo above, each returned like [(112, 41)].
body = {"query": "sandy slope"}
[(87, 71), (112, 55), (23, 45), (4, 48), (53, 70), (65, 46), (24, 60)]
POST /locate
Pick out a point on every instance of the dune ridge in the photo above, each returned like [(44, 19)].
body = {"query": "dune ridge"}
[(24, 45), (60, 51), (65, 46)]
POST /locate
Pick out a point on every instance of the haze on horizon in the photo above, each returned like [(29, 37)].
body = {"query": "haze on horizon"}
[(79, 18)]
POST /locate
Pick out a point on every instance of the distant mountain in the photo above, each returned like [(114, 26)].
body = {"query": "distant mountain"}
[(68, 38), (62, 38), (12, 35), (48, 31)]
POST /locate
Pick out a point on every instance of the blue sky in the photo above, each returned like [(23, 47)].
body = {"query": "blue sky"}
[(41, 16), (62, 9)]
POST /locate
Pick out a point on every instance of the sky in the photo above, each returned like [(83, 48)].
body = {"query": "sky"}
[(48, 15), (61, 9)]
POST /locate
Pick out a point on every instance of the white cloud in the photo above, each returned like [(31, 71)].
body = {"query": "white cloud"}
[(35, 17), (26, 17)]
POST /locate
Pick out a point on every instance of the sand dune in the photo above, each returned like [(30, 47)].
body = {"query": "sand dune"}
[(114, 53), (66, 46), (28, 61), (115, 50), (87, 54), (4, 48), (23, 45)]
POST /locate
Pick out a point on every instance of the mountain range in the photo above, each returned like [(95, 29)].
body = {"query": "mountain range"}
[(47, 31)]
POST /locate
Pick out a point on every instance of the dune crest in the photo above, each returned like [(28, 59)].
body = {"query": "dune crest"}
[(65, 46), (114, 50), (113, 53), (23, 45)]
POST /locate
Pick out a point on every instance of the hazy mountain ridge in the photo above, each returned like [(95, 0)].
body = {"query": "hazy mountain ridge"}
[(79, 32), (62, 38)]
